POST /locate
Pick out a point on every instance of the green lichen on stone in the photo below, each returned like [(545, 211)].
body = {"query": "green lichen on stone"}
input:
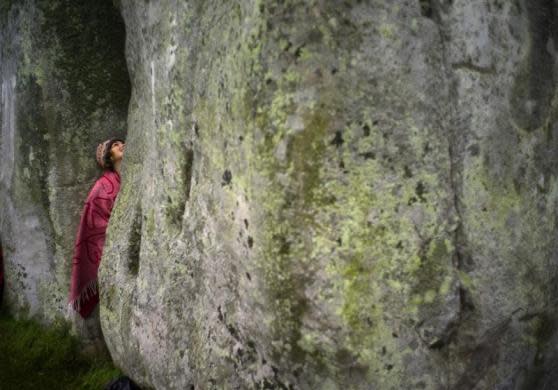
[(430, 275), (314, 210)]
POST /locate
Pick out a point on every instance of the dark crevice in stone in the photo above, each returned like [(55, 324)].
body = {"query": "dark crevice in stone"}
[(227, 178), (433, 9), (468, 65), (482, 357), (459, 237), (338, 139), (187, 173), (474, 149), (455, 149), (176, 206), (438, 344), (426, 8), (465, 301), (407, 172), (534, 86), (543, 371), (230, 328), (420, 190), (134, 240)]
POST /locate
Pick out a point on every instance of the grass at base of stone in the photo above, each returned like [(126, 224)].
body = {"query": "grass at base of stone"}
[(35, 357)]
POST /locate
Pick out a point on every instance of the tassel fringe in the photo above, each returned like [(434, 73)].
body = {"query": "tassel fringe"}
[(88, 291)]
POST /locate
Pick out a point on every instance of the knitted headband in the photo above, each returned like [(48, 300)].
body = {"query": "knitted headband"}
[(101, 151)]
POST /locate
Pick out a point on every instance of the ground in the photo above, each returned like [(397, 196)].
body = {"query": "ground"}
[(33, 357)]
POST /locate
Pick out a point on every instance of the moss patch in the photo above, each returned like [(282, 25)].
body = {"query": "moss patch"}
[(34, 357)]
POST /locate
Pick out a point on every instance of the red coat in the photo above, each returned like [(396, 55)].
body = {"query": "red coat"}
[(84, 293)]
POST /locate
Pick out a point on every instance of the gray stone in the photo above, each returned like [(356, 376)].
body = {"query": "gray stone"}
[(64, 89), (315, 194)]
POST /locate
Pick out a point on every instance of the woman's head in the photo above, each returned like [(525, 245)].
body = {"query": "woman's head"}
[(110, 153)]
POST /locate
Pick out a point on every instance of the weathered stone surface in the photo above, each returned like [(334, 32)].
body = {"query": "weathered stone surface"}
[(325, 194), (315, 194)]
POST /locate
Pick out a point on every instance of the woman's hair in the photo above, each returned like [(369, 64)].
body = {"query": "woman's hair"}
[(107, 162)]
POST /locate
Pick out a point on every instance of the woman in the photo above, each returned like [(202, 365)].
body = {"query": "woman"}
[(84, 293)]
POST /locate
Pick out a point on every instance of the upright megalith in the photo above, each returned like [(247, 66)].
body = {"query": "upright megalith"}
[(336, 195), (65, 87)]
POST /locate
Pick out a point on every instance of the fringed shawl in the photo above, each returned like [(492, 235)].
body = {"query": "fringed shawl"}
[(84, 292)]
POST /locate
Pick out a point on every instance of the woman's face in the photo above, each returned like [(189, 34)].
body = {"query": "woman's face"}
[(117, 151)]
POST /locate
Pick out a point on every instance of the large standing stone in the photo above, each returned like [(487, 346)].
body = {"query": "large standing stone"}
[(65, 87), (329, 194)]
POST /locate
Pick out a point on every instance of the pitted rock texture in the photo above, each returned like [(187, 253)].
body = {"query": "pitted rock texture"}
[(337, 195)]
